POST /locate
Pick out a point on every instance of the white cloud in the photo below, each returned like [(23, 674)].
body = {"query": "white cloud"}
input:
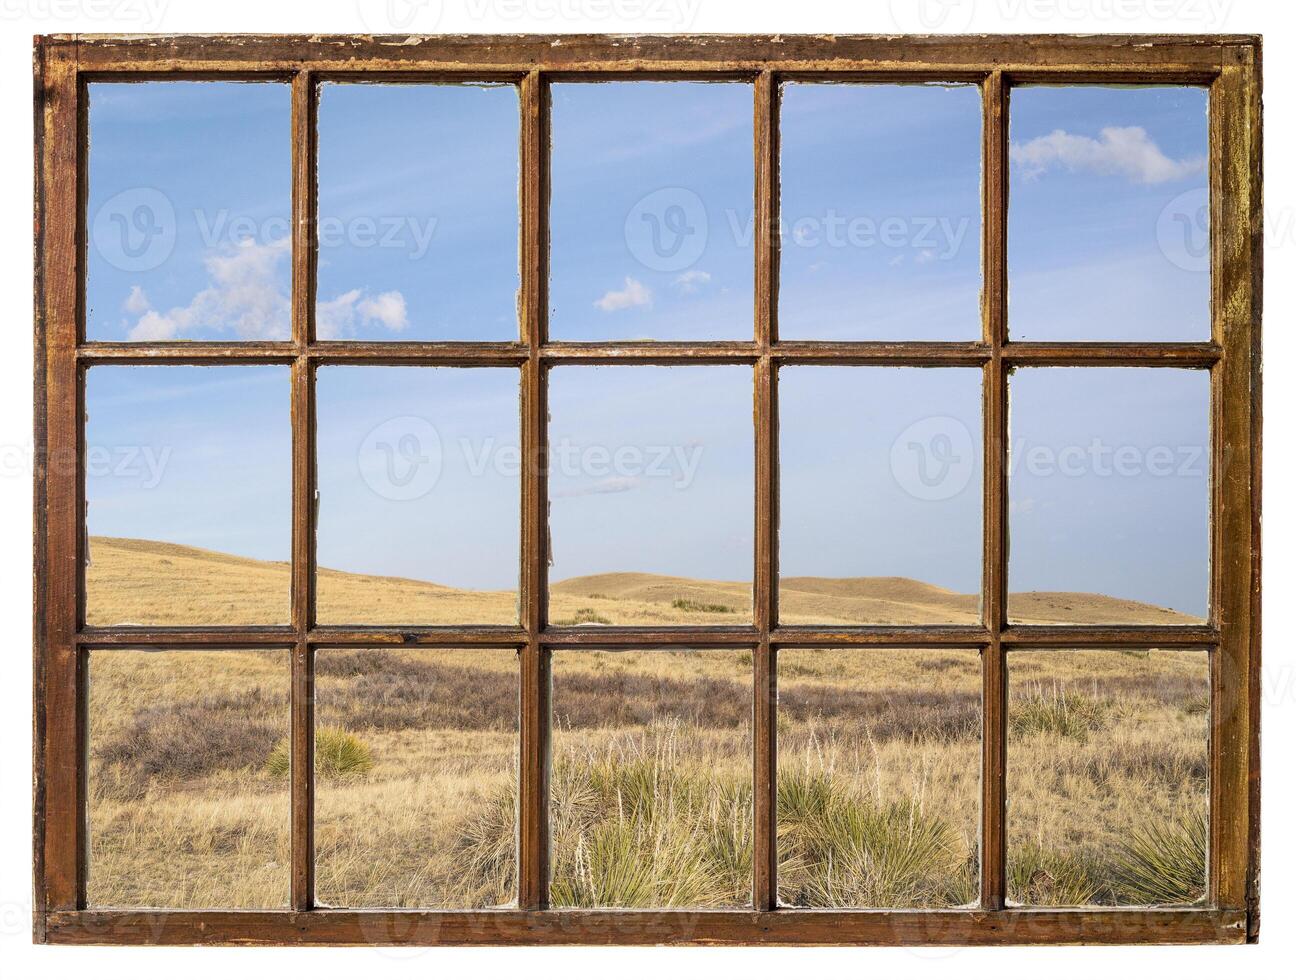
[(338, 317), (1125, 151), (692, 281), (247, 294), (925, 256), (634, 294), (136, 302)]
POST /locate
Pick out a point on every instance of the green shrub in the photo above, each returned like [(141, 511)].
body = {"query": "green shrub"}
[(585, 615), (688, 605), (1163, 863), (337, 753)]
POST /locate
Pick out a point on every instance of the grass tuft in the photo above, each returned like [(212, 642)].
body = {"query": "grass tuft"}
[(689, 605), (1055, 711), (338, 753)]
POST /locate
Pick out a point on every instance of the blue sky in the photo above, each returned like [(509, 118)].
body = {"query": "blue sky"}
[(651, 214)]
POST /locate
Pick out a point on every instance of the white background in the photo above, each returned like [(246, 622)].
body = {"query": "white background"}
[(20, 19)]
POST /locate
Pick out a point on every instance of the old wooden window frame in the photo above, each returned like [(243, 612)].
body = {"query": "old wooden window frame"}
[(1229, 66)]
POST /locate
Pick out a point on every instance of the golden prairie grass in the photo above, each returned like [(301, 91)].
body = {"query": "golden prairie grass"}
[(160, 584), (879, 781)]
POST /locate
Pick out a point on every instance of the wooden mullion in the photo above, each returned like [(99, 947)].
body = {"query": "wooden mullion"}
[(533, 809), (1167, 57), (994, 695), (654, 927), (303, 492), (1235, 572), (59, 799), (765, 571)]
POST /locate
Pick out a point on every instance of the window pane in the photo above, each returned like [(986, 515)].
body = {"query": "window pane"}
[(880, 212), (419, 240), (189, 210), (650, 785), (880, 495), (416, 778), (1109, 495), (652, 211), (419, 475), (1107, 777), (878, 792), (188, 779), (1108, 235), (188, 495), (651, 495)]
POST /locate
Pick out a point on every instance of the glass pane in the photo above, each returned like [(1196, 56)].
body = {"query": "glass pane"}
[(188, 779), (419, 477), (416, 778), (879, 754), (651, 492), (880, 495), (419, 240), (1109, 495), (652, 216), (1108, 219), (650, 786), (188, 495), (880, 212), (189, 211), (1107, 777)]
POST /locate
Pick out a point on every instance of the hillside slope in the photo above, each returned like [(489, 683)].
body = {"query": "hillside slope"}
[(136, 581)]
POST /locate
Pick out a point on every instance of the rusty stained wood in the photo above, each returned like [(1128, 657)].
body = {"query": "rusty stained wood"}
[(1230, 65)]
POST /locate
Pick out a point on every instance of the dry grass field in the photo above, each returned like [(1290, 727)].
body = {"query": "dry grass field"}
[(651, 773)]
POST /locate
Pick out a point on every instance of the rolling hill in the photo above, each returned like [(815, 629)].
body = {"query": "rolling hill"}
[(157, 583)]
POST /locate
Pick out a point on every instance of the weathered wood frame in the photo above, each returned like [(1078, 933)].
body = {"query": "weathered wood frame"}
[(1230, 66)]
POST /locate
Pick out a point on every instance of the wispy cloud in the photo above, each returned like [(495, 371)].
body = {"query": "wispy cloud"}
[(692, 281), (612, 484), (247, 294), (634, 294), (1123, 151)]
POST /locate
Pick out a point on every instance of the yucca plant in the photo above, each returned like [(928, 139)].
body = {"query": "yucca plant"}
[(1163, 863)]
